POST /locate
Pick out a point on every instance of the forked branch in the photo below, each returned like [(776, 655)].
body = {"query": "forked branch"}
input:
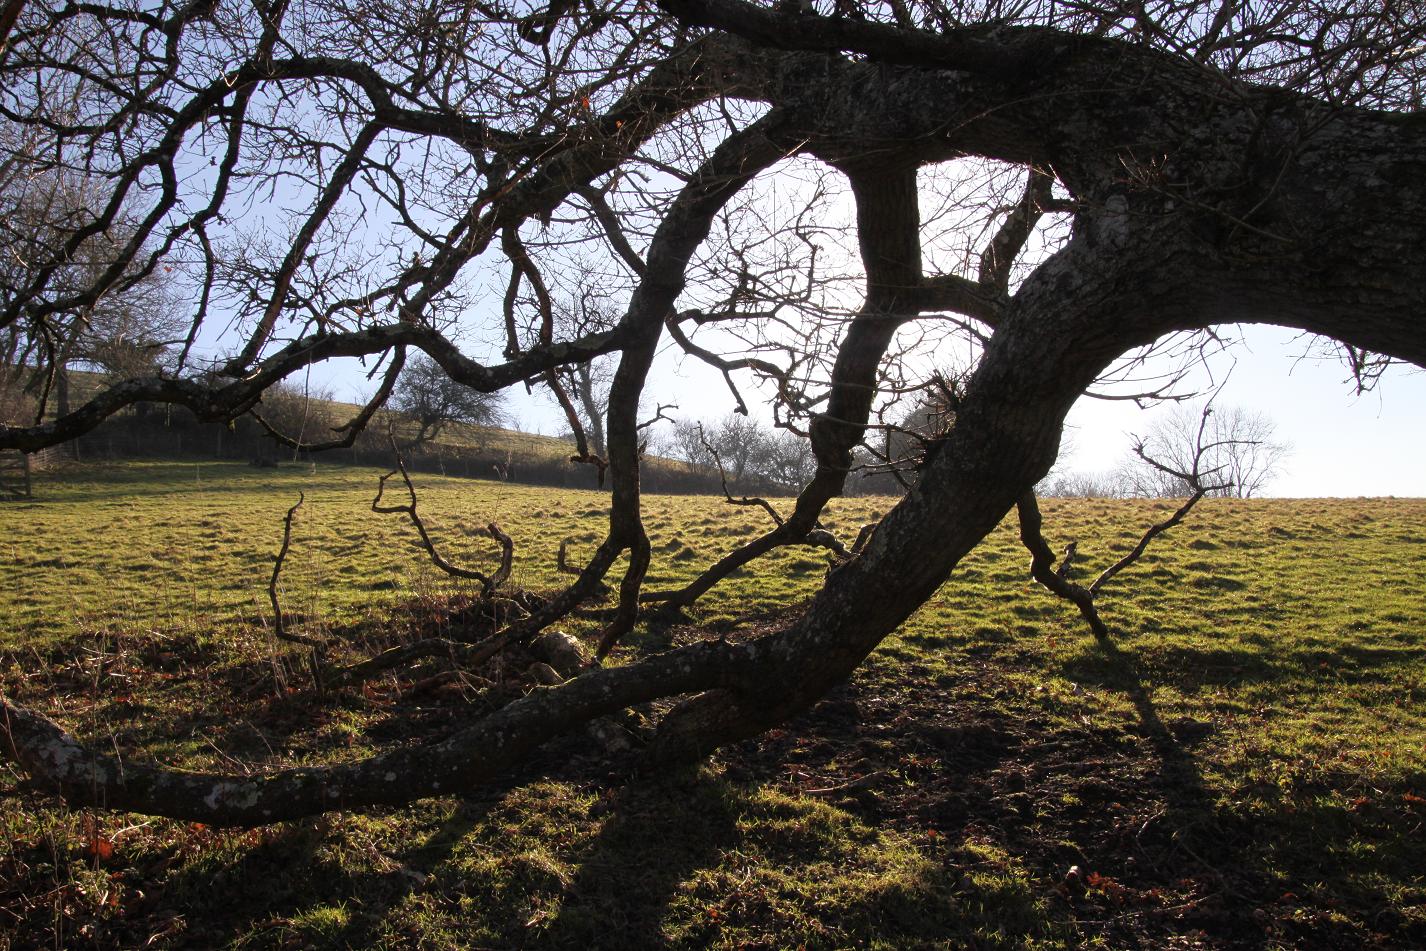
[(1042, 559), (489, 583), (279, 623), (1042, 565)]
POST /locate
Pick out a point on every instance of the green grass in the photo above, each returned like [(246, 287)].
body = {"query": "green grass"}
[(1244, 767)]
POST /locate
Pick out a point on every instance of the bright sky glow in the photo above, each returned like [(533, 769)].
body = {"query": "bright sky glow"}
[(1343, 444)]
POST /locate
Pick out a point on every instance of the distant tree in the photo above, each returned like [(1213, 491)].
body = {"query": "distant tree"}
[(750, 455), (588, 311), (433, 400), (787, 461), (911, 432), (591, 389), (300, 414), (741, 444), (685, 443), (1238, 450), (120, 321), (1075, 484)]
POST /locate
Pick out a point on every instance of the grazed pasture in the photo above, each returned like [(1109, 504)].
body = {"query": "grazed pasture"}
[(1244, 767)]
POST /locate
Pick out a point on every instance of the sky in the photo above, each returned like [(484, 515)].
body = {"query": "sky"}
[(1343, 444)]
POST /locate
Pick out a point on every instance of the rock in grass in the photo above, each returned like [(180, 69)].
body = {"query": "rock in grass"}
[(561, 651), (544, 674)]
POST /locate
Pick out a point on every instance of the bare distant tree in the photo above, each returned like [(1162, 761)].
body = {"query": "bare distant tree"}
[(1241, 454), (426, 393), (588, 310), (130, 326), (590, 383), (685, 443), (787, 461), (1078, 484), (750, 455), (741, 444)]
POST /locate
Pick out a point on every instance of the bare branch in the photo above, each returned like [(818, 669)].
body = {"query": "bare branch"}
[(1154, 531), (1042, 561), (1000, 255), (723, 477), (659, 415), (489, 583), (55, 760), (279, 623)]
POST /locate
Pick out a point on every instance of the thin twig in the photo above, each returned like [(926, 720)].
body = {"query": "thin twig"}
[(723, 477), (279, 626), (1153, 532), (489, 583)]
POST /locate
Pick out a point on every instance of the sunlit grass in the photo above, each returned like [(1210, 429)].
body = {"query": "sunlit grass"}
[(1255, 737)]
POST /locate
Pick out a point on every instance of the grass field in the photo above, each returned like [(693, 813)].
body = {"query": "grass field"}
[(1245, 766)]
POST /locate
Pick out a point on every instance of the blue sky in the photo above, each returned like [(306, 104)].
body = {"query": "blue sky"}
[(1343, 444)]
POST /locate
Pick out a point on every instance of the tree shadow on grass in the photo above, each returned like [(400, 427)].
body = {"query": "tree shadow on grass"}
[(1186, 668), (982, 793), (697, 860), (1284, 864), (1182, 780), (657, 834), (295, 887)]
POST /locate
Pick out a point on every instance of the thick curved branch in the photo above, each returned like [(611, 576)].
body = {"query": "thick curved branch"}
[(224, 402), (353, 427), (55, 760), (952, 292), (889, 219), (733, 164), (983, 50), (613, 230)]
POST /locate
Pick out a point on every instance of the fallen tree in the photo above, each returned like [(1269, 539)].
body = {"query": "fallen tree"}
[(1143, 171)]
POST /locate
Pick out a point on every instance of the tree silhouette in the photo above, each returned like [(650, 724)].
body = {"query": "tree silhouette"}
[(1049, 186)]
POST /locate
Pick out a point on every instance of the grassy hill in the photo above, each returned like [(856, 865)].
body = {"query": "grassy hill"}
[(484, 452), (1244, 766)]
